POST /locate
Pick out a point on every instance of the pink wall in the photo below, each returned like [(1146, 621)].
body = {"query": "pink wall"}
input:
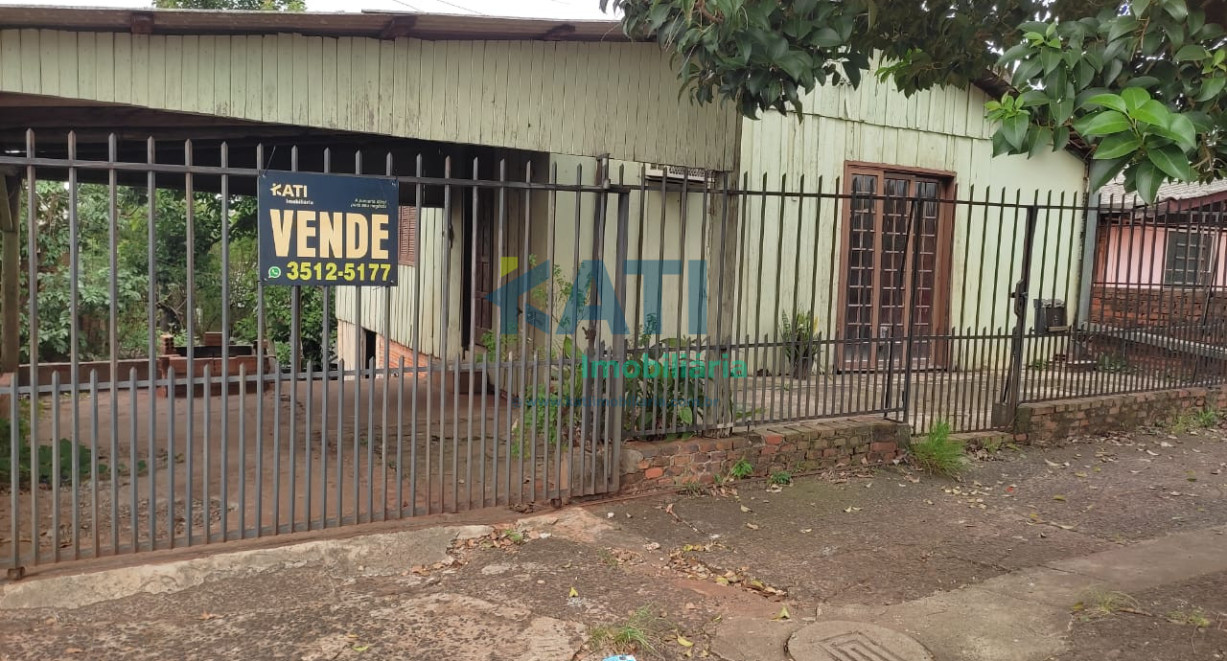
[(1135, 256)]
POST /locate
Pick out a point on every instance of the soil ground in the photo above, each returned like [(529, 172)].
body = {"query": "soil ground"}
[(670, 569)]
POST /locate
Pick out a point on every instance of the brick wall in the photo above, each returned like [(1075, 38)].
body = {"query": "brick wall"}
[(397, 351), (1048, 422), (796, 448), (1175, 307)]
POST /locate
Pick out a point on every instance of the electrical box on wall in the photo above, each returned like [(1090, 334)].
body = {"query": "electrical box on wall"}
[(1050, 316)]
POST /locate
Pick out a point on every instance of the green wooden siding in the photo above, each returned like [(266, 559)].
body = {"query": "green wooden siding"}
[(941, 129), (564, 97)]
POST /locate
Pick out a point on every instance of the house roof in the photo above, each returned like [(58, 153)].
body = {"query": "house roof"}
[(381, 25), (1114, 193)]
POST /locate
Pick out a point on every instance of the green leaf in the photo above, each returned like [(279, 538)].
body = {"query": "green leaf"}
[(1147, 179), (1176, 9), (1191, 52), (1134, 98), (1104, 122), (1116, 146), (826, 38), (1000, 144), (1138, 7), (1027, 69), (1034, 98), (1041, 139), (1142, 81), (1061, 138), (1181, 130), (1120, 26), (1016, 52), (1172, 161), (1014, 129), (1152, 112), (1104, 171), (1210, 88), (1051, 59), (1061, 109), (1108, 101)]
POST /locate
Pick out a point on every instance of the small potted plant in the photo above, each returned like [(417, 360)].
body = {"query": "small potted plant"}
[(800, 337)]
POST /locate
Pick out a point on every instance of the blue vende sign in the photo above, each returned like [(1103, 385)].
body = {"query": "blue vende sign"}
[(328, 229)]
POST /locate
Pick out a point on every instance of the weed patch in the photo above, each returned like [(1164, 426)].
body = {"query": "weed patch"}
[(939, 454)]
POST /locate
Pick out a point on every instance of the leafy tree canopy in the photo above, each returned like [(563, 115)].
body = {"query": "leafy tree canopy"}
[(1141, 81)]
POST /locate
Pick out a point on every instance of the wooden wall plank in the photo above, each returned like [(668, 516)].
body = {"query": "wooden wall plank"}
[(11, 62), (190, 68), (238, 76), (301, 80), (68, 64), (205, 74), (174, 73), (328, 78), (49, 62), (387, 87), (285, 77), (269, 82), (123, 67), (104, 65), (223, 65)]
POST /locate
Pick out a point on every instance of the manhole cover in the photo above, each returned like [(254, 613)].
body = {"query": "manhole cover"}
[(854, 641)]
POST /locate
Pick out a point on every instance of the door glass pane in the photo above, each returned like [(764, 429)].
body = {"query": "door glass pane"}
[(892, 292), (858, 315)]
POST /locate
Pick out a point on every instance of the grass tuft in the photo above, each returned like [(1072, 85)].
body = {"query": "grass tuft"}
[(741, 470), (780, 478), (629, 636), (939, 454), (1105, 603)]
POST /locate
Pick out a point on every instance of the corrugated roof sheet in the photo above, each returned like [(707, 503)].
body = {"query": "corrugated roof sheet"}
[(367, 24), (1177, 190)]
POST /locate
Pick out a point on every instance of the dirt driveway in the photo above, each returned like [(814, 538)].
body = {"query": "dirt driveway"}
[(660, 576)]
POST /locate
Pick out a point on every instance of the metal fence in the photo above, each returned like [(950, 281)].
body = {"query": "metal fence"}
[(548, 310)]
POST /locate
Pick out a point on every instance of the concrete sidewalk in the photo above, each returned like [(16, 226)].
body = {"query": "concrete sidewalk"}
[(987, 569), (1020, 616)]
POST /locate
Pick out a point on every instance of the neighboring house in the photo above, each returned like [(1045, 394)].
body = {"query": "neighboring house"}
[(1162, 265), (866, 145)]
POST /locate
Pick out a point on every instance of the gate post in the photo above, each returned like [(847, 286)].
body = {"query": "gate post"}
[(10, 268), (613, 463), (1005, 410)]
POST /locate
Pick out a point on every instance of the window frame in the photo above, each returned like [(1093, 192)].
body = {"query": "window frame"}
[(1184, 277)]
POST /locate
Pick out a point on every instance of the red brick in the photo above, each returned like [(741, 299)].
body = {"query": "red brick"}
[(773, 439), (653, 473)]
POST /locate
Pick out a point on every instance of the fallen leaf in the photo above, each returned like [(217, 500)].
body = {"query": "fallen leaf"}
[(745, 509), (681, 640), (573, 593), (752, 526), (208, 616), (361, 648), (851, 509), (806, 531), (1059, 498), (1080, 474), (783, 614), (1052, 463), (1152, 453)]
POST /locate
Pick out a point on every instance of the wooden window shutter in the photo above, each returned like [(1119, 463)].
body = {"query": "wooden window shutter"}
[(408, 249)]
